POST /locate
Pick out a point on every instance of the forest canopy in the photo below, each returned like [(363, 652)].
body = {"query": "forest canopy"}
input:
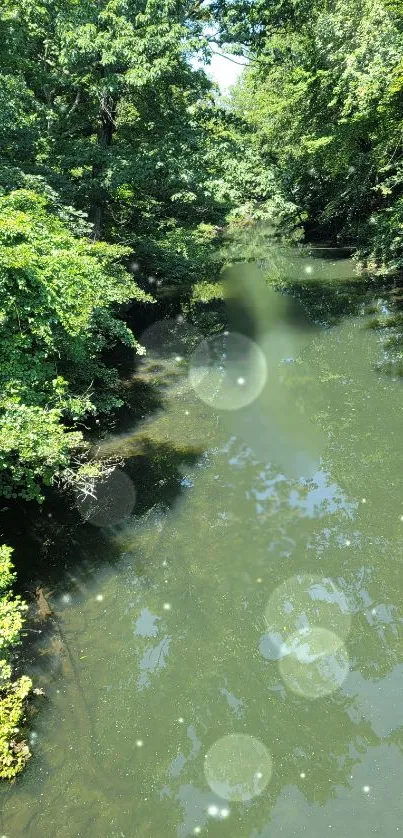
[(322, 99)]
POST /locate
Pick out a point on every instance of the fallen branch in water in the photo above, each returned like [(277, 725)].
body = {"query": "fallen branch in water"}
[(84, 476)]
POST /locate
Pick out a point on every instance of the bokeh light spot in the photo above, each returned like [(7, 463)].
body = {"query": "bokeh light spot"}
[(305, 601), (170, 338), (316, 664), (113, 501), (66, 599), (238, 767), (228, 371)]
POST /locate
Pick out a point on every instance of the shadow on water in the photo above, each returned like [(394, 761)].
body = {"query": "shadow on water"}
[(53, 541), (328, 287), (159, 471), (74, 560)]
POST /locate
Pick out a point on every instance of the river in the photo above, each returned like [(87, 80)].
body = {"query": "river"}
[(230, 614)]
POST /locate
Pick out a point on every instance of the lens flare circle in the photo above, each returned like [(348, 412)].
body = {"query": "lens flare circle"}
[(228, 371), (170, 339), (238, 767), (307, 601), (316, 664), (113, 501)]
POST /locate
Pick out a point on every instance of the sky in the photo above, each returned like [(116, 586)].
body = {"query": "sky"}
[(224, 71)]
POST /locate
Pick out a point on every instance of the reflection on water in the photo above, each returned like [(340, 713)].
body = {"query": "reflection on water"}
[(168, 647)]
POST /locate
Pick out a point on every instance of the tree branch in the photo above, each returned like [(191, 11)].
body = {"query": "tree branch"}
[(222, 55), (74, 105)]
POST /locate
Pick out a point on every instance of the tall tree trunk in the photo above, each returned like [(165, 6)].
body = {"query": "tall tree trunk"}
[(106, 130)]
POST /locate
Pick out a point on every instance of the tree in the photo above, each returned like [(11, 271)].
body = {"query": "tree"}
[(120, 117), (323, 94), (59, 296)]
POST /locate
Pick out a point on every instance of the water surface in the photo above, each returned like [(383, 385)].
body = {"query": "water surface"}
[(173, 637)]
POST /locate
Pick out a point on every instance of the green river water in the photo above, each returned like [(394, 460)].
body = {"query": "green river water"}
[(227, 657)]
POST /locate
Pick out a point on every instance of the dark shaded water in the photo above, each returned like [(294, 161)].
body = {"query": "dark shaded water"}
[(255, 590)]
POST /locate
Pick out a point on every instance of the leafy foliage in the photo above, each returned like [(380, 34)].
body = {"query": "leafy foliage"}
[(119, 115), (58, 298), (14, 752), (323, 96), (108, 134)]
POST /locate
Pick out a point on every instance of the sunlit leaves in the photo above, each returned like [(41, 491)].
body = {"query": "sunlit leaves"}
[(13, 752), (323, 97), (58, 300)]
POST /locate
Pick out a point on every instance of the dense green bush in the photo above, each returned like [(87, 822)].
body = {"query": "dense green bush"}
[(59, 298), (14, 751)]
